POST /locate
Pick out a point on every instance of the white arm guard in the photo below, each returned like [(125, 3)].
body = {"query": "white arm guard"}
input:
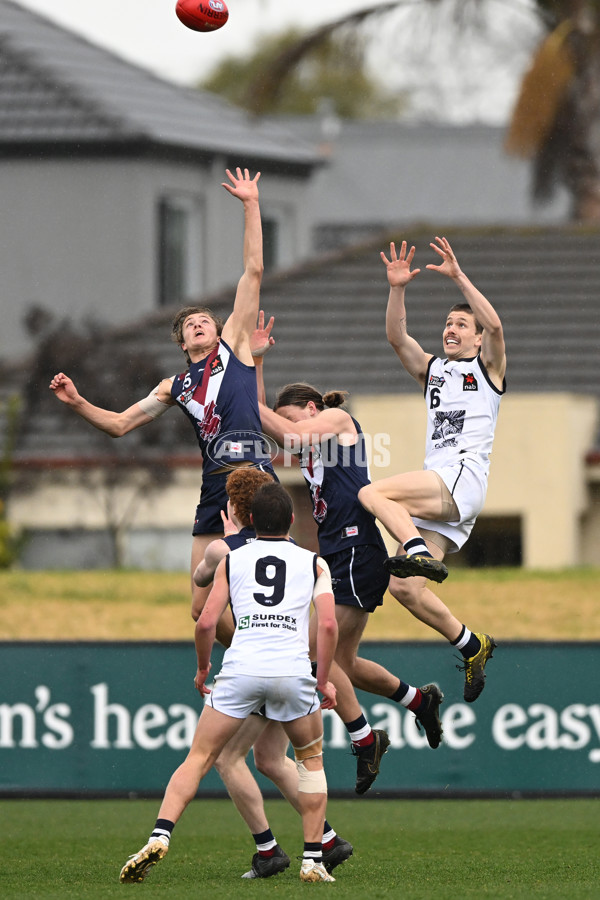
[(323, 582), (152, 406)]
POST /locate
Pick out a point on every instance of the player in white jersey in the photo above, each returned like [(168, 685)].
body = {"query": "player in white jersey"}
[(431, 512), (267, 739), (270, 584)]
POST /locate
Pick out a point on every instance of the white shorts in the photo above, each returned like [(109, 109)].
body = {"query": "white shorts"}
[(282, 699), (467, 482)]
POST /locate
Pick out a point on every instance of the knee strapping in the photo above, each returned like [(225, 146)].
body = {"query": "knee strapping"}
[(311, 781), (315, 748)]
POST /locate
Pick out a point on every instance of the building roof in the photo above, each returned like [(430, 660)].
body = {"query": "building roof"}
[(330, 326), (383, 173), (57, 90)]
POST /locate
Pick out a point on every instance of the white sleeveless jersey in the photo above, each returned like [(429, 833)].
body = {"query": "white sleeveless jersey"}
[(462, 411), (271, 584)]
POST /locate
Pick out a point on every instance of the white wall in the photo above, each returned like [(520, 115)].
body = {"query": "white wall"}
[(79, 237)]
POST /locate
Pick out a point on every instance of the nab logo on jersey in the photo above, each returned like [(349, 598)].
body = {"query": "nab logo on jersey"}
[(216, 366), (470, 382)]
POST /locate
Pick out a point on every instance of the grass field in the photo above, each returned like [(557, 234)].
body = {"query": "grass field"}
[(414, 850), (108, 605)]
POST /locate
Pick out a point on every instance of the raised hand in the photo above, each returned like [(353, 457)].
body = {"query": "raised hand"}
[(229, 526), (260, 339), (64, 388), (242, 186), (399, 270), (449, 265)]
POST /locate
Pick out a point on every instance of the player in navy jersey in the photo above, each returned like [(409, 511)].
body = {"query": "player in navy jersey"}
[(332, 453), (431, 512), (270, 584), (218, 391)]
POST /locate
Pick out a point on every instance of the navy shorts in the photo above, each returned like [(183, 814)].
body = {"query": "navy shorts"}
[(358, 576), (213, 499)]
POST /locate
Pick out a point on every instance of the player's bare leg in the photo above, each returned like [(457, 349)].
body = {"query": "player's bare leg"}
[(213, 731)]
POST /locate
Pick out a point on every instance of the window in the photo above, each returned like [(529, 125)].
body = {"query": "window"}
[(279, 237), (494, 541), (180, 227), (270, 230)]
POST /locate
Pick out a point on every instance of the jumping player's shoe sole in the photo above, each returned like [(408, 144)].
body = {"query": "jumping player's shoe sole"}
[(417, 564)]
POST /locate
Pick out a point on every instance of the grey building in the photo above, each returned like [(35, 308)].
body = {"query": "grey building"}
[(110, 183)]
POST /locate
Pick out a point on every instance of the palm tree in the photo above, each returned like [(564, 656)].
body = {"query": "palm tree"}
[(556, 120)]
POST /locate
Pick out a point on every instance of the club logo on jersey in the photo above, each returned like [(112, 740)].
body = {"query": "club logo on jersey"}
[(436, 381), (470, 382), (446, 425), (210, 424), (216, 366), (319, 504)]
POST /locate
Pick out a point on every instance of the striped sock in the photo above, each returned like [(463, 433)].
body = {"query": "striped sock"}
[(162, 831), (312, 851), (416, 545), (467, 642), (360, 732), (265, 843)]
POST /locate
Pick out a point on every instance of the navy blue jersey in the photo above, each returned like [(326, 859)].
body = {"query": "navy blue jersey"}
[(244, 536), (219, 396), (335, 474)]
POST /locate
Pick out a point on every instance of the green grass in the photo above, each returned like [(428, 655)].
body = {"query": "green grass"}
[(405, 849), (511, 604)]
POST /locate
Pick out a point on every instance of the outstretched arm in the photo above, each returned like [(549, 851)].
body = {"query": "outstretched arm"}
[(493, 351), (320, 427), (399, 274), (113, 423), (242, 321)]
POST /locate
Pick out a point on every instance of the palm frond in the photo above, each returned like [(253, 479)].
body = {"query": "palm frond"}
[(542, 93), (263, 91)]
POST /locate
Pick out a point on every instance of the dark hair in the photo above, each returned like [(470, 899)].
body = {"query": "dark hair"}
[(181, 316), (464, 307), (272, 510), (241, 486), (299, 394)]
